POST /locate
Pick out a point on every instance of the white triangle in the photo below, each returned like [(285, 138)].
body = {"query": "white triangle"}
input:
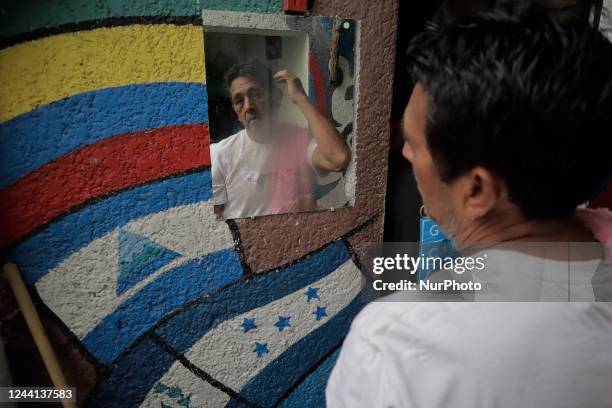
[(190, 230)]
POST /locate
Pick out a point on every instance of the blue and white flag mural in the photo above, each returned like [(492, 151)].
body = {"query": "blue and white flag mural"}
[(249, 343)]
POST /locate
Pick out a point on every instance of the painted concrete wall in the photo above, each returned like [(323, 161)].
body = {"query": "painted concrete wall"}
[(104, 205)]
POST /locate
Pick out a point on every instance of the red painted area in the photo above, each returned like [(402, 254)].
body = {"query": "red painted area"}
[(99, 169), (295, 6), (604, 199), (315, 75)]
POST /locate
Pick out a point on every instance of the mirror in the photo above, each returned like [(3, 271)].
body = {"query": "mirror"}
[(280, 103)]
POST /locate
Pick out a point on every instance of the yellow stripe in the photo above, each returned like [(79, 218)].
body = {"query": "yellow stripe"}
[(46, 70)]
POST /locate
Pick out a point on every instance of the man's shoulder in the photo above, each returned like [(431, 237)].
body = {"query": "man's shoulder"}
[(398, 319), (229, 143), (398, 310), (389, 321)]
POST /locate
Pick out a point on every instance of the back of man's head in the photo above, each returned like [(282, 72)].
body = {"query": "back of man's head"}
[(527, 98)]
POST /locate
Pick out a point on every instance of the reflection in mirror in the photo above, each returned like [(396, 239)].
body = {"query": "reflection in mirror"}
[(273, 145)]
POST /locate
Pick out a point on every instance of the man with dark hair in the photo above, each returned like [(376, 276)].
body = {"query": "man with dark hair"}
[(265, 168), (508, 130), (252, 69)]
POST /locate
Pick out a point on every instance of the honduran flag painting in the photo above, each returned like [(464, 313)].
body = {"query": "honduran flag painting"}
[(262, 341)]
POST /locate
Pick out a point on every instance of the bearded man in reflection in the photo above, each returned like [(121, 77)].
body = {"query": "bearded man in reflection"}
[(267, 167)]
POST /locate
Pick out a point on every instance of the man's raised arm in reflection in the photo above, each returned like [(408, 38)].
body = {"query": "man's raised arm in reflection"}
[(266, 168)]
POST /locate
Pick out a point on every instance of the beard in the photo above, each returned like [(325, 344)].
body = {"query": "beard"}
[(261, 128), (447, 222), (450, 226)]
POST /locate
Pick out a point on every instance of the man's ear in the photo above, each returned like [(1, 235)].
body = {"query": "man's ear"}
[(482, 191), (276, 98)]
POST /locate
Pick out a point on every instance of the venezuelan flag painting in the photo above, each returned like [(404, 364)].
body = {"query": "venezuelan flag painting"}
[(105, 177)]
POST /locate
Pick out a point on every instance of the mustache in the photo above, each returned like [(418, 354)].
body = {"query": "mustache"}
[(252, 114)]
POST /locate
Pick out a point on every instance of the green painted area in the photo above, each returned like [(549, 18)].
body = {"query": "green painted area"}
[(174, 392), (19, 16)]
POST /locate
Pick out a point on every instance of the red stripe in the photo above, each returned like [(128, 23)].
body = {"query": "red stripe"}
[(315, 74), (99, 169)]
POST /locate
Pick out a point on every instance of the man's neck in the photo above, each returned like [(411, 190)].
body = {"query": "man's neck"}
[(511, 226)]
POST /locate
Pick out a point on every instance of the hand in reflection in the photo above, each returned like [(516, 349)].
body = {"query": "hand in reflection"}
[(295, 90)]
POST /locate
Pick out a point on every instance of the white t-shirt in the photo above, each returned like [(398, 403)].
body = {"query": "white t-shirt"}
[(490, 354), (242, 175)]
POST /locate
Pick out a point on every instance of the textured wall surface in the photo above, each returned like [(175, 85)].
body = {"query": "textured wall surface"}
[(104, 205)]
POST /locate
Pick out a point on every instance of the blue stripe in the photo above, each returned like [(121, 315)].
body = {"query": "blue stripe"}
[(42, 251), (71, 123), (132, 379), (274, 379), (311, 393), (173, 289), (180, 331)]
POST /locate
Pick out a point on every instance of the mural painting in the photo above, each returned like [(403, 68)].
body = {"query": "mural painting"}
[(104, 205)]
